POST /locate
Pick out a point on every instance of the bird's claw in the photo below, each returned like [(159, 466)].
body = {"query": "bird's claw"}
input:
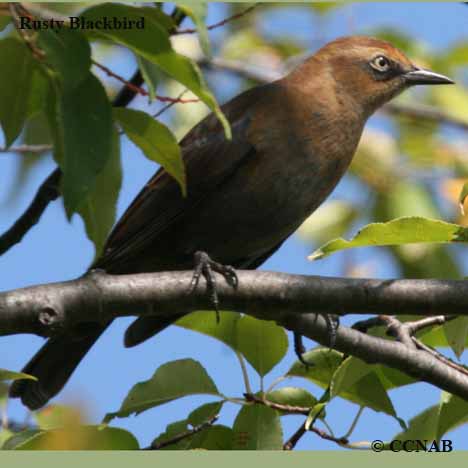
[(205, 266), (333, 322), (299, 349)]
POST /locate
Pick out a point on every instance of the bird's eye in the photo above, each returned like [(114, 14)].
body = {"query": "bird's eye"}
[(380, 63)]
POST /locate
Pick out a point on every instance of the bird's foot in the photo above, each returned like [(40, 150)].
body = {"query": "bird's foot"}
[(333, 322), (205, 266), (299, 349)]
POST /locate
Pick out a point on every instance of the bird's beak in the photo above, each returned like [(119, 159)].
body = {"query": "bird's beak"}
[(426, 77)]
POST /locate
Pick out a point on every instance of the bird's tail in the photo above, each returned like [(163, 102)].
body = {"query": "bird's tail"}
[(53, 365), (145, 327), (55, 362)]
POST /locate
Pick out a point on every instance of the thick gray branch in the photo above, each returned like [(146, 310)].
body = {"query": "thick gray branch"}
[(288, 299), (270, 295), (419, 364)]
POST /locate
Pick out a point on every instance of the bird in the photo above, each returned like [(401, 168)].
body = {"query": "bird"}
[(292, 141)]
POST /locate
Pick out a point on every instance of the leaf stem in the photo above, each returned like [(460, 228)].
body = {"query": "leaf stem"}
[(245, 376)]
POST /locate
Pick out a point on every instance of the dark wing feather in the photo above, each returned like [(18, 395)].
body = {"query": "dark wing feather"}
[(210, 159)]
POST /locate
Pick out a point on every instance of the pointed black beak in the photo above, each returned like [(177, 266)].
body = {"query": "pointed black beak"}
[(419, 76)]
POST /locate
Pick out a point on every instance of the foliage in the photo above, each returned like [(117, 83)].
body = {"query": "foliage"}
[(414, 216)]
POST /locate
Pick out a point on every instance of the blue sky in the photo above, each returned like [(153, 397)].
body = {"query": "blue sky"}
[(56, 250)]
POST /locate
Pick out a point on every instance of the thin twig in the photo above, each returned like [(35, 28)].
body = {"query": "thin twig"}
[(277, 406), (398, 330), (170, 104), (364, 325), (16, 11), (294, 439), (26, 149), (47, 192), (245, 375), (139, 90), (183, 435), (433, 352), (354, 423), (220, 23), (418, 325)]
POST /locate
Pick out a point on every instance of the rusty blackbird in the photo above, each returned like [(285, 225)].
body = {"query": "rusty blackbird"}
[(293, 139)]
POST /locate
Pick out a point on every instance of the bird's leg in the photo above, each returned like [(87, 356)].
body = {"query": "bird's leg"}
[(333, 322), (299, 349), (205, 266)]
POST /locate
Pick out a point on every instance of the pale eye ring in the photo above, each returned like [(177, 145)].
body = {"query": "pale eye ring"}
[(380, 63)]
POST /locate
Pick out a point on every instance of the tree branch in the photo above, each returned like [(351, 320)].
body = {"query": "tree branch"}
[(21, 149), (183, 435), (220, 23), (294, 301), (47, 192)]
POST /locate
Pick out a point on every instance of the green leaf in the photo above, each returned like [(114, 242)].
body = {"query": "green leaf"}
[(348, 373), (37, 97), (396, 232), (153, 44), (84, 139), (415, 260), (150, 74), (453, 413), (56, 416), (204, 321), (69, 54), (5, 435), (292, 396), (257, 427), (365, 391), (99, 208), (456, 332), (453, 100), (197, 11), (15, 87), (330, 220), (462, 197), (204, 413), (173, 380), (359, 380), (262, 342), (392, 378), (315, 412), (216, 437), (3, 393), (434, 422), (4, 22), (74, 438), (155, 140), (157, 15), (322, 365), (173, 430), (20, 438), (422, 426), (10, 375)]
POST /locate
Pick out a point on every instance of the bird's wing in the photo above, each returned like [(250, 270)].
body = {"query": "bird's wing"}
[(210, 159)]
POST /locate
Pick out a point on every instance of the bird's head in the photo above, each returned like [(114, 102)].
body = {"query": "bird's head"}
[(372, 71)]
